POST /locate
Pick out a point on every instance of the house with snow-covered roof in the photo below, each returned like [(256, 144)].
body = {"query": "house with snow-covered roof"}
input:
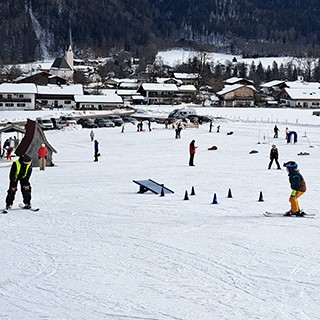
[(236, 80), (98, 102), (273, 87), (169, 80), (300, 84), (158, 93), (58, 96), (17, 96), (186, 93), (130, 96), (41, 78), (300, 97), (187, 78), (237, 95)]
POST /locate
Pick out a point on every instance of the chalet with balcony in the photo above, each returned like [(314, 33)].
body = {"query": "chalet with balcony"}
[(14, 96), (237, 95), (187, 78), (158, 93), (54, 96)]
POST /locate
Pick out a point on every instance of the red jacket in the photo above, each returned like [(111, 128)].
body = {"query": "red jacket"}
[(192, 148), (42, 152)]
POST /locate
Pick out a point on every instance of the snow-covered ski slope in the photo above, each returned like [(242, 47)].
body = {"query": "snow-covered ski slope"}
[(99, 250)]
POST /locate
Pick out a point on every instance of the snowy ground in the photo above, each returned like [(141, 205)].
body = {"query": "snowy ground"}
[(98, 250), (178, 56)]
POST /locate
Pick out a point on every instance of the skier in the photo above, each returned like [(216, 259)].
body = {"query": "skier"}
[(276, 131), (9, 151), (218, 129), (210, 126), (274, 155), (178, 130), (192, 151), (91, 135), (96, 150), (287, 133), (298, 186), (21, 170), (42, 155)]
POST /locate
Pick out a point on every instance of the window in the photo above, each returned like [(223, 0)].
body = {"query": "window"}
[(67, 102), (9, 96), (9, 104), (21, 104), (21, 95)]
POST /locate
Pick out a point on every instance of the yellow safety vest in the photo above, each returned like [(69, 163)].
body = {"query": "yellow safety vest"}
[(18, 165)]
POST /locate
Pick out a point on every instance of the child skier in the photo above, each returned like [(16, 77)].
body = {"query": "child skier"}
[(298, 186)]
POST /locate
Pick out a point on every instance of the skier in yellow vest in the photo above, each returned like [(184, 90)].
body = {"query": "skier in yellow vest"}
[(21, 170)]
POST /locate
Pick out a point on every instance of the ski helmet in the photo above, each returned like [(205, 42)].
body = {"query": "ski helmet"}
[(290, 165)]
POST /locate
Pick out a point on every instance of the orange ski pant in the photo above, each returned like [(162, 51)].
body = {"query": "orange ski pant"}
[(295, 207)]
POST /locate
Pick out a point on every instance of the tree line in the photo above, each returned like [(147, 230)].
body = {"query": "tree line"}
[(30, 29)]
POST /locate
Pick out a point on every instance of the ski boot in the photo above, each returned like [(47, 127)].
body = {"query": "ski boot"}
[(300, 213), (288, 213)]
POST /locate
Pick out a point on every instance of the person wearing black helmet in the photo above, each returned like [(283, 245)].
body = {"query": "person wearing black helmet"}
[(21, 170), (298, 186)]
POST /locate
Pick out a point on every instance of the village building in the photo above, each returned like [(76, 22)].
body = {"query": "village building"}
[(98, 102), (236, 80), (16, 96), (64, 66), (273, 87), (169, 80), (300, 98), (186, 93), (130, 96), (42, 78), (53, 96), (158, 93), (237, 95), (187, 78)]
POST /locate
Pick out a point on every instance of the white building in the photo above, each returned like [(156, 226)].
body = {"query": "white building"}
[(98, 102), (17, 96), (56, 96)]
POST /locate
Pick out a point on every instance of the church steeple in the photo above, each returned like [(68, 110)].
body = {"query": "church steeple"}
[(69, 51)]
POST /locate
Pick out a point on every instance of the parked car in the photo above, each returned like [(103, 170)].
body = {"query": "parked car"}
[(193, 119), (67, 121), (130, 120), (116, 120), (88, 123), (203, 119), (45, 123), (104, 123)]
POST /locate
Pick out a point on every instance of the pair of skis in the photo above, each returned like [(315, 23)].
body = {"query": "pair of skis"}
[(278, 214), (21, 206)]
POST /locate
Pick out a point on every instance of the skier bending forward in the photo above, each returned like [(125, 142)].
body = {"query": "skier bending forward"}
[(298, 186)]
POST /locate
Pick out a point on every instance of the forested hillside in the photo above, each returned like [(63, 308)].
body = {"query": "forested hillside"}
[(35, 29)]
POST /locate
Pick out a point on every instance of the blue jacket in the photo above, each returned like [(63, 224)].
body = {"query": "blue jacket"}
[(96, 146)]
